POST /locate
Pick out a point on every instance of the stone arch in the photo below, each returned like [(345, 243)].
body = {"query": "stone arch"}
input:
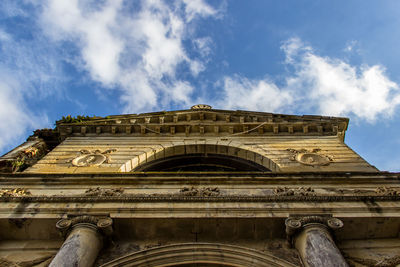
[(199, 253), (232, 149)]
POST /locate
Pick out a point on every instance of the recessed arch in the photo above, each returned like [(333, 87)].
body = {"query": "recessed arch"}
[(198, 162), (199, 253), (231, 151)]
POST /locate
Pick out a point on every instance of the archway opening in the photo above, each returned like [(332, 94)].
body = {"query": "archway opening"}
[(198, 254), (202, 264), (200, 162)]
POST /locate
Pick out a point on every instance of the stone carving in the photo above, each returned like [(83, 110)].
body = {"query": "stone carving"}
[(293, 224), (16, 192), (382, 261), (312, 157), (95, 158), (201, 106), (202, 192), (104, 224), (388, 191), (104, 192), (43, 260), (300, 191), (24, 156)]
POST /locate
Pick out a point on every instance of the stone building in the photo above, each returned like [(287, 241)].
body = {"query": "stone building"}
[(196, 187)]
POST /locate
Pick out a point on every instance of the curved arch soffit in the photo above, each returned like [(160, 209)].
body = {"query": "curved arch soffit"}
[(206, 253), (232, 150)]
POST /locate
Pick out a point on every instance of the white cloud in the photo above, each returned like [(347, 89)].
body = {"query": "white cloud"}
[(198, 7), (15, 117), (243, 93), (28, 73), (136, 51), (334, 87), (316, 84)]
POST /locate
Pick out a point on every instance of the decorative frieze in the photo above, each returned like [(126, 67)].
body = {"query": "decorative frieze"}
[(300, 191), (104, 192), (15, 192), (388, 191), (201, 192)]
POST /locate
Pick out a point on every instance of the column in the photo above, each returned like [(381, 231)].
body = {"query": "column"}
[(311, 236), (84, 239)]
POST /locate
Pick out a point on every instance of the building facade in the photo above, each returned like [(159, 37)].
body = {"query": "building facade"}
[(196, 187)]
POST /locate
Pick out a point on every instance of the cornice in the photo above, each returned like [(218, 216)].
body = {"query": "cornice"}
[(182, 198), (212, 174), (221, 123)]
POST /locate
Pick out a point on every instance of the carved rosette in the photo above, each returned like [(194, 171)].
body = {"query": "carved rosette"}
[(103, 224), (296, 224)]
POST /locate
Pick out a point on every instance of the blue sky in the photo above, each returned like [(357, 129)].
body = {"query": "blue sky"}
[(337, 58)]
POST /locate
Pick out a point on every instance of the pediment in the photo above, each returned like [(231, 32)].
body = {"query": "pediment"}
[(203, 120)]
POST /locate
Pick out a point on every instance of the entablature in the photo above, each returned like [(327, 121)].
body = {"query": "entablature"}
[(206, 121)]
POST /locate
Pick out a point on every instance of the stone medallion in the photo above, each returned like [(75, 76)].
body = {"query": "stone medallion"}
[(87, 158), (310, 157)]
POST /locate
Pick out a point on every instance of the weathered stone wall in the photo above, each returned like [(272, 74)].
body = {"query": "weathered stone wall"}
[(279, 154)]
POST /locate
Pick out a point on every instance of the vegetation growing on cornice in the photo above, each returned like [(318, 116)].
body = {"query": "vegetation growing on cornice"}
[(77, 119)]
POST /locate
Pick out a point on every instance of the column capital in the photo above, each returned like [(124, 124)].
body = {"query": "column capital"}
[(102, 224), (296, 224)]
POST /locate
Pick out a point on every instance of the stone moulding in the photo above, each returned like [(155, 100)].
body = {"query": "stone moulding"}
[(200, 253), (180, 198)]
